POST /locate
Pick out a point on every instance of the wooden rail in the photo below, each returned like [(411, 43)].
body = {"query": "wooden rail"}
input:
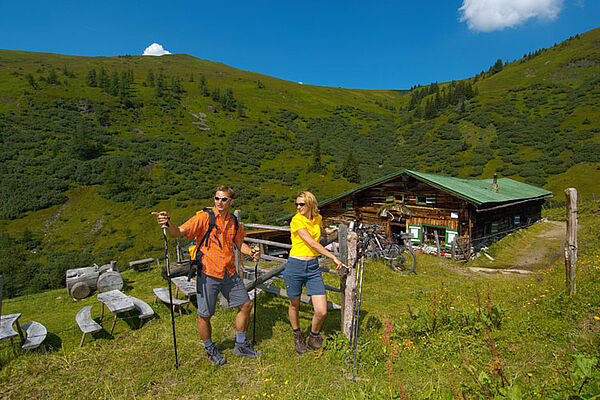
[(268, 242), (262, 226)]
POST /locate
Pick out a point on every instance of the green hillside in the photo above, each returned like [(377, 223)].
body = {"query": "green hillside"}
[(443, 333), (90, 145)]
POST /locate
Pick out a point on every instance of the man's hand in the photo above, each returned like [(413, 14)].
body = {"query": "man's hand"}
[(162, 218)]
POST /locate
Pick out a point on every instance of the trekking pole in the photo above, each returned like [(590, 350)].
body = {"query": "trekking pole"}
[(254, 306), (164, 229)]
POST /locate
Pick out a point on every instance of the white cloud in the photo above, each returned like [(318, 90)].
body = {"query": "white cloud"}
[(155, 49), (491, 15)]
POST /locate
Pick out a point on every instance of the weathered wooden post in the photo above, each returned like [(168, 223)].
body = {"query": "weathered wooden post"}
[(571, 242), (437, 244), (349, 288), (343, 256), (1, 278), (453, 250)]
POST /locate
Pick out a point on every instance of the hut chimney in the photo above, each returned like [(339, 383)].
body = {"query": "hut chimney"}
[(495, 183)]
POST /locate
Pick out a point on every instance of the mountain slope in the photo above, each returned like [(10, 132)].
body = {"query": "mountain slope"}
[(90, 145)]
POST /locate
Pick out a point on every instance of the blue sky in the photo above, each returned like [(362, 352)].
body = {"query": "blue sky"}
[(353, 44)]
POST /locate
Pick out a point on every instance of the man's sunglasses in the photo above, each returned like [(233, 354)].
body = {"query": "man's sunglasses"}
[(300, 204), (223, 199)]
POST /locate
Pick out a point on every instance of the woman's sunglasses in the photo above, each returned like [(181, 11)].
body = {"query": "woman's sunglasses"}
[(300, 204)]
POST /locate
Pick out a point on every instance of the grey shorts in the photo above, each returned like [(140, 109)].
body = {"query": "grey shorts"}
[(208, 288), (300, 272)]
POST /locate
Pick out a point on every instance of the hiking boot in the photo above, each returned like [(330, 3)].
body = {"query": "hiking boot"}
[(214, 356), (246, 350), (314, 342), (299, 341)]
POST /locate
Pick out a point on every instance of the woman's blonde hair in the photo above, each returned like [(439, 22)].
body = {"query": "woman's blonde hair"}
[(311, 203)]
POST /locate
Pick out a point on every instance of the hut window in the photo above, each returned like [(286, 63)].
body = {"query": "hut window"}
[(429, 232), (494, 227), (517, 220), (450, 236), (426, 200), (346, 205), (416, 232)]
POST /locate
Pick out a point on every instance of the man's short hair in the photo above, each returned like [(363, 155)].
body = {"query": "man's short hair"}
[(227, 189)]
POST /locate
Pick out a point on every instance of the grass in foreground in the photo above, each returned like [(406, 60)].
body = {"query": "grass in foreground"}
[(443, 333)]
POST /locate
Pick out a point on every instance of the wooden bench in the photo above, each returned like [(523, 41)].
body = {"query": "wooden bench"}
[(36, 334), (86, 323), (163, 295), (7, 331), (141, 265), (144, 309)]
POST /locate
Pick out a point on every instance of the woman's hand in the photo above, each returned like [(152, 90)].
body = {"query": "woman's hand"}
[(338, 263), (255, 253)]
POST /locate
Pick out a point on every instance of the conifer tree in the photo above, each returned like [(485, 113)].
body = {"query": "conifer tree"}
[(150, 78), (31, 80), (90, 79), (160, 86), (216, 94), (103, 81), (52, 78), (203, 86), (350, 169), (316, 165), (115, 84), (228, 100)]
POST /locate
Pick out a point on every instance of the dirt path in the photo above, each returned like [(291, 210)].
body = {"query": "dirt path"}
[(544, 249), (534, 252)]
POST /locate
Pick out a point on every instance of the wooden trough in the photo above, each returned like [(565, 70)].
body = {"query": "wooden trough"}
[(81, 282)]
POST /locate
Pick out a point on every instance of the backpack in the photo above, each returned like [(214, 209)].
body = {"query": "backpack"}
[(194, 248)]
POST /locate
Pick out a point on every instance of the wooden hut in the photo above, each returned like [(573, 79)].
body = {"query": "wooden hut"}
[(478, 211)]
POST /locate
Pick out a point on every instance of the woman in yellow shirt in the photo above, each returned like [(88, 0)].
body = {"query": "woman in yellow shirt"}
[(302, 268)]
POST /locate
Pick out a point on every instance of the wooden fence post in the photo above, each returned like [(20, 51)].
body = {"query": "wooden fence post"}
[(1, 278), (349, 290), (343, 256), (437, 244), (454, 250), (571, 242)]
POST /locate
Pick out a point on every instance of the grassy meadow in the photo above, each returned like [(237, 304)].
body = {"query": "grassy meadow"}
[(443, 333)]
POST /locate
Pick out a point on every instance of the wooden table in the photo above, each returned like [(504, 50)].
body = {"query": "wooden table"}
[(7, 331), (117, 302)]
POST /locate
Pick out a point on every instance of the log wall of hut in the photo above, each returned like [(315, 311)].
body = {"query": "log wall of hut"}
[(428, 205), (489, 226)]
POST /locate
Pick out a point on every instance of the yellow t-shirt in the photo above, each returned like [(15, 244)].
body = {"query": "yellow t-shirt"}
[(299, 247)]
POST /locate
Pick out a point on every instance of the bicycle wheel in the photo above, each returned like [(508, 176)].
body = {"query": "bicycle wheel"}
[(402, 259)]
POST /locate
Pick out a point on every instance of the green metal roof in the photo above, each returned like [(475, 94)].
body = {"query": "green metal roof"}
[(479, 191), (476, 191)]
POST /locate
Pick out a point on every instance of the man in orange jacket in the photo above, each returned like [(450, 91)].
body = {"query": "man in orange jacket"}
[(217, 272)]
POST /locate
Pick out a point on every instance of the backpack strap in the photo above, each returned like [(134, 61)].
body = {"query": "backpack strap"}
[(196, 262), (211, 225)]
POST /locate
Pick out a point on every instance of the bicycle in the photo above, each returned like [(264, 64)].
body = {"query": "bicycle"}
[(402, 257), (399, 254)]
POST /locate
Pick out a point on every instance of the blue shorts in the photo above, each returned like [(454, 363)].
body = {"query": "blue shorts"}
[(300, 272), (208, 288)]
